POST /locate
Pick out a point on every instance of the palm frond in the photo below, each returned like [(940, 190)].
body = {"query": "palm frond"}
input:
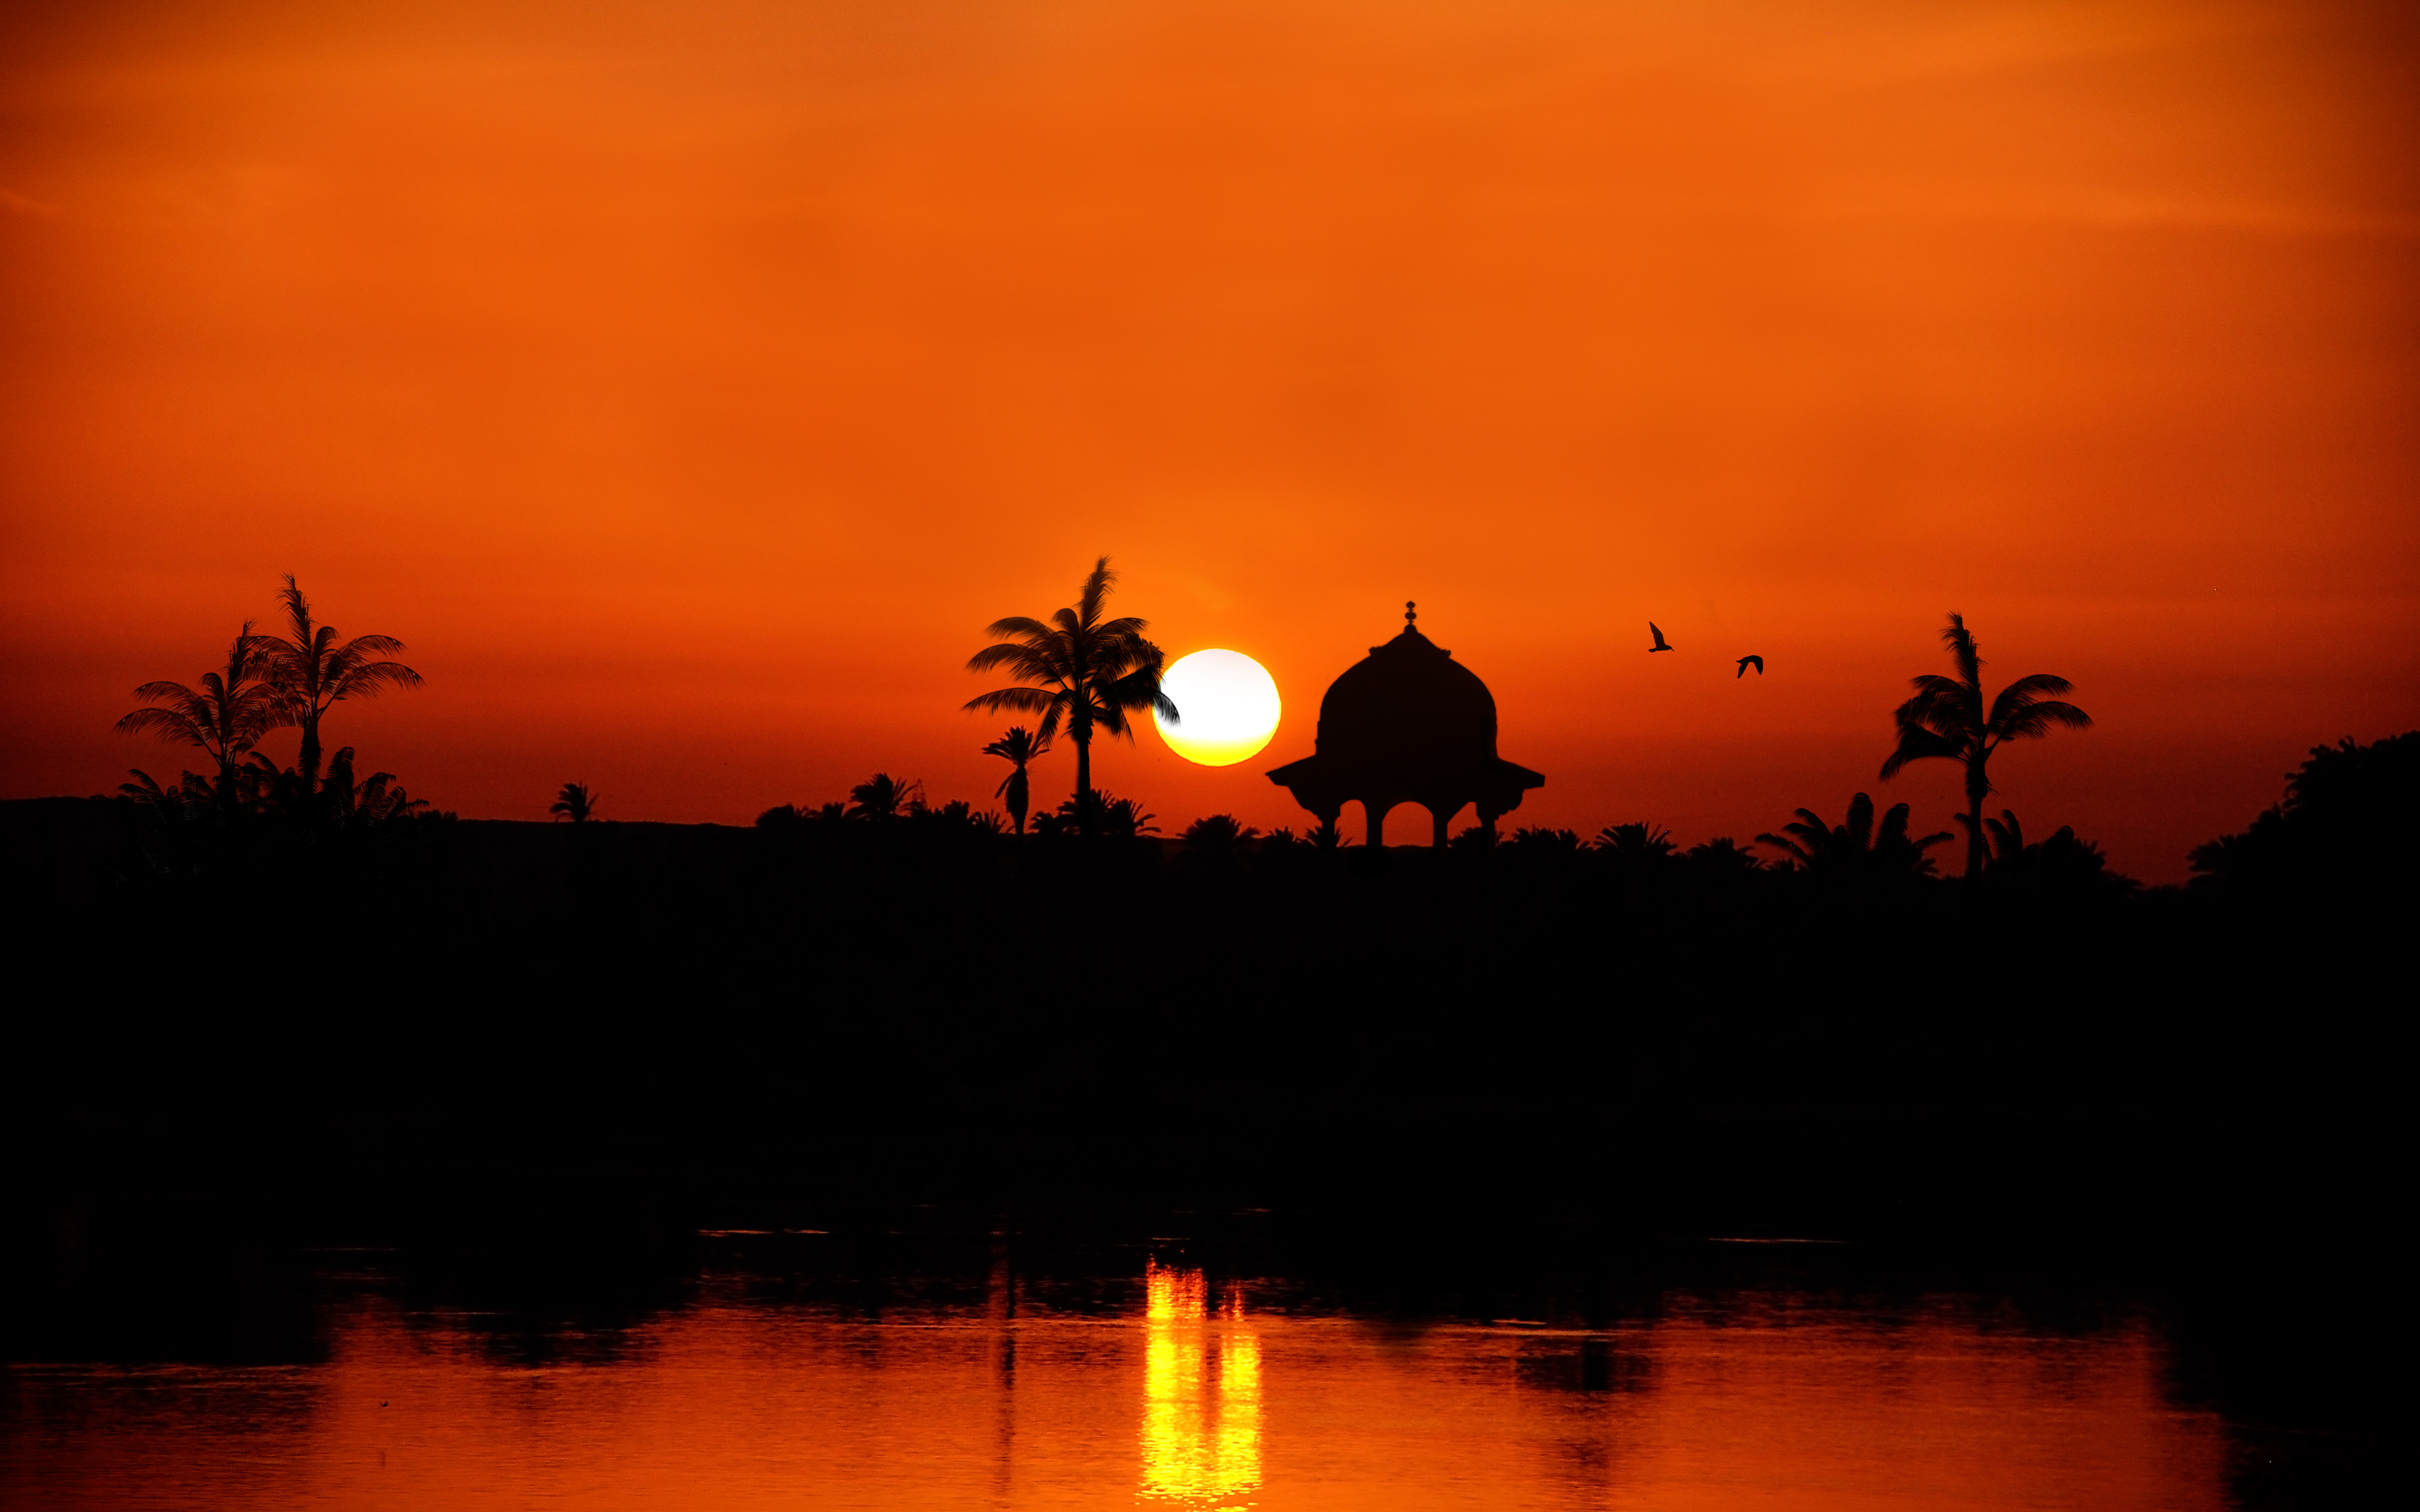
[(1024, 660), (1917, 744), (1893, 832), (1139, 689), (1016, 700), (366, 679), (1789, 847), (1860, 824), (1962, 650), (1018, 624), (171, 725), (2034, 684), (1098, 584), (2034, 721)]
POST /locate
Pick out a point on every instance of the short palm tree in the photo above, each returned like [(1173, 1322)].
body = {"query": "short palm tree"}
[(882, 797), (225, 717), (1098, 813), (313, 669), (575, 803), (1016, 748), (1090, 671), (1641, 843), (1855, 846), (1217, 832), (375, 802), (1949, 718)]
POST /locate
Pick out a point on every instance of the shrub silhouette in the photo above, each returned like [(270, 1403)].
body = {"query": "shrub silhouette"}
[(1722, 856), (2060, 863), (1537, 840), (2326, 833)]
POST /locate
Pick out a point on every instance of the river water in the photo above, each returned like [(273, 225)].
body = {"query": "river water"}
[(1159, 1385)]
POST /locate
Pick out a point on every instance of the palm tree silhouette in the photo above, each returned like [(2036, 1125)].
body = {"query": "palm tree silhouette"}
[(225, 717), (1856, 847), (1016, 748), (375, 802), (312, 669), (575, 803), (1091, 672), (882, 797), (1217, 832), (1949, 718), (1641, 843), (1100, 816)]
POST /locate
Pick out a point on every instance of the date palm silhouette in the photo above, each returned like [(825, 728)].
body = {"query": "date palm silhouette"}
[(225, 717), (882, 797), (1856, 847), (575, 803), (1090, 672), (1016, 748), (313, 669), (1949, 718)]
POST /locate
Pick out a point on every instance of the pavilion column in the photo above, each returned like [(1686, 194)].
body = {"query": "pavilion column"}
[(1440, 817), (1376, 814)]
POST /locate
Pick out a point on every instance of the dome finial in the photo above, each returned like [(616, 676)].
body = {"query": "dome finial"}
[(1411, 612)]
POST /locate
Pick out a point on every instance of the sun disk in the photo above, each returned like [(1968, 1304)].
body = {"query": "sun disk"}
[(1227, 705)]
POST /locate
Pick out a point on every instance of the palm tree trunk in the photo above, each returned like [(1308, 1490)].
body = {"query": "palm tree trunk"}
[(1979, 785), (1083, 734), (308, 761)]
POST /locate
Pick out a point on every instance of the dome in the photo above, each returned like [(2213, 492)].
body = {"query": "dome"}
[(1407, 724), (1407, 704)]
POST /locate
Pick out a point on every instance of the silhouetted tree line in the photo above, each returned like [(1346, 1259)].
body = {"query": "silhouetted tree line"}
[(2329, 835), (1857, 854)]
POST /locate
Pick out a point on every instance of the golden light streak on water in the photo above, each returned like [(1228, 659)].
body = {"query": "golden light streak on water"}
[(1202, 1393)]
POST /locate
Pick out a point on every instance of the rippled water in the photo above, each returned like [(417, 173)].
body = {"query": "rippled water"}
[(1158, 1388)]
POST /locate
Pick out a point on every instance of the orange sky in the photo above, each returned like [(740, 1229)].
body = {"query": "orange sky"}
[(688, 385)]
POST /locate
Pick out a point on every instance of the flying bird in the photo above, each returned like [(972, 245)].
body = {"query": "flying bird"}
[(1661, 644), (1744, 661)]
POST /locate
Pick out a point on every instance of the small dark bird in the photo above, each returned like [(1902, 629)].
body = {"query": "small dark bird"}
[(1661, 644), (1747, 661)]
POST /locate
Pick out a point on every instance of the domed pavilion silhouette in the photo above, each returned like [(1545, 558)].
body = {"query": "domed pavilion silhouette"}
[(1407, 724)]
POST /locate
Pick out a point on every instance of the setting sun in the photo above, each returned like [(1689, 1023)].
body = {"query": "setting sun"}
[(1228, 704)]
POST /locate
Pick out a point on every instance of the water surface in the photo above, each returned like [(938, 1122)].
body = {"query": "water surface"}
[(1161, 1387)]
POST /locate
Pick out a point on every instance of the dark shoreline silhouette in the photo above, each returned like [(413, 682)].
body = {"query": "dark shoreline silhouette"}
[(1624, 1034)]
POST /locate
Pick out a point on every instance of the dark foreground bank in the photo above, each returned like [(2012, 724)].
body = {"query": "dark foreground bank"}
[(541, 1062), (487, 1018)]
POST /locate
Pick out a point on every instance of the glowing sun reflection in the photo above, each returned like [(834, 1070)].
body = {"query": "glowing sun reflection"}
[(1200, 1393)]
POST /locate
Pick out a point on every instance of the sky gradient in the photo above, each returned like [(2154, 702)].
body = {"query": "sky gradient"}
[(688, 386)]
